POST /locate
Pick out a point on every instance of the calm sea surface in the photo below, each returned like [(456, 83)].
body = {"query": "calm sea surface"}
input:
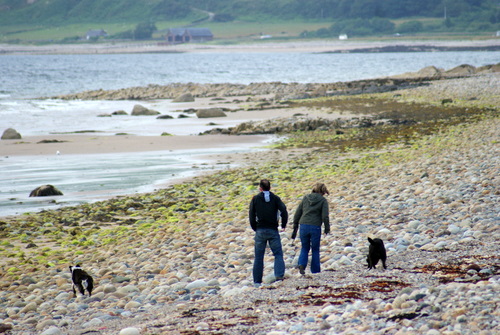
[(47, 75), (26, 78)]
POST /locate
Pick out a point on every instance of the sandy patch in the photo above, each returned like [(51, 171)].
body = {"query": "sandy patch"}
[(297, 46), (83, 144), (98, 144)]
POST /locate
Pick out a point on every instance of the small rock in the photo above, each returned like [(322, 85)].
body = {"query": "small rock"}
[(164, 117), (202, 326), (46, 323), (92, 323), (186, 97), (52, 331), (4, 327), (210, 112), (132, 304), (31, 307), (109, 288), (130, 331), (141, 110), (196, 284)]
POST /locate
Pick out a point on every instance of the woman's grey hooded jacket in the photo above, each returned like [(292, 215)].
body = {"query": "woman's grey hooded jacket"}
[(313, 210)]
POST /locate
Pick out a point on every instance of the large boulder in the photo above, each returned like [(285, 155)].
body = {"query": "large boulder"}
[(11, 134), (429, 72), (45, 191), (426, 72), (210, 112), (461, 71), (488, 68), (186, 97), (141, 110)]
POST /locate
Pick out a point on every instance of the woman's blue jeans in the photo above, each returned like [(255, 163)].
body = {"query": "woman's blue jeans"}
[(310, 238), (262, 237)]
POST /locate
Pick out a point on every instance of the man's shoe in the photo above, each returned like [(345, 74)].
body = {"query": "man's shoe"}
[(279, 278), (302, 270)]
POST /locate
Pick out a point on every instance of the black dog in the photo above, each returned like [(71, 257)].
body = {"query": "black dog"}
[(376, 252), (81, 279)]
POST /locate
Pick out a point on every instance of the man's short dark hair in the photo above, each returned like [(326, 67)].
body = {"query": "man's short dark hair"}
[(265, 185)]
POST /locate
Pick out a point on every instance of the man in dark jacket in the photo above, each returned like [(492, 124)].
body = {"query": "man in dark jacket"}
[(265, 210)]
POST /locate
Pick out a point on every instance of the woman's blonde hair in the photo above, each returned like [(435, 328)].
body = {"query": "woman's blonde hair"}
[(320, 188)]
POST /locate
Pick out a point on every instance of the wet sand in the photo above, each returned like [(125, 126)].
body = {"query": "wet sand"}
[(91, 144)]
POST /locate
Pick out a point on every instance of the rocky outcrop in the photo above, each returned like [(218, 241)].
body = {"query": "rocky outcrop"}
[(11, 134), (291, 124), (434, 73), (44, 191), (210, 112), (278, 90), (281, 90), (417, 48), (461, 70), (141, 110)]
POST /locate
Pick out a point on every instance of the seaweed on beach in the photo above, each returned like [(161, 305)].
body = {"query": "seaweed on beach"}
[(382, 121)]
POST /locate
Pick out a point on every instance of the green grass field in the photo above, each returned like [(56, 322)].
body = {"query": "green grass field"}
[(222, 31), (225, 33)]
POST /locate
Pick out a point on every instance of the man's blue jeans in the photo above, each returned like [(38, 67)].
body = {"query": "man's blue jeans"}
[(262, 237), (310, 238)]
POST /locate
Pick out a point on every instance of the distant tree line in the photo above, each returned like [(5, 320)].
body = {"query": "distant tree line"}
[(353, 9)]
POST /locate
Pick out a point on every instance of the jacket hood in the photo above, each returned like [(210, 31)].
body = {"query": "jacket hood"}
[(314, 199)]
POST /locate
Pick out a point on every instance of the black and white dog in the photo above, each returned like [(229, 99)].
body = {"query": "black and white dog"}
[(81, 279), (376, 252)]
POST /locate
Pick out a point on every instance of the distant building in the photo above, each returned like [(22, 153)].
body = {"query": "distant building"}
[(342, 37), (96, 33), (186, 35)]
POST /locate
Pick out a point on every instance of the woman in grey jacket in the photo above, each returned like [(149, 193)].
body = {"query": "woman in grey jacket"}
[(311, 214)]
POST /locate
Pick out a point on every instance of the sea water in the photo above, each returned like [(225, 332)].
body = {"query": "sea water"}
[(28, 78)]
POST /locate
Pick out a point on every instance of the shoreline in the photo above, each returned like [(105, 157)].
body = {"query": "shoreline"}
[(326, 46), (95, 143), (249, 153), (179, 260), (91, 144)]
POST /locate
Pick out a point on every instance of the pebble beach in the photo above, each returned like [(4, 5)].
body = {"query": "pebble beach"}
[(178, 261)]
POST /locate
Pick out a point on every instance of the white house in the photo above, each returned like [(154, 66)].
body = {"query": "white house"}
[(95, 33)]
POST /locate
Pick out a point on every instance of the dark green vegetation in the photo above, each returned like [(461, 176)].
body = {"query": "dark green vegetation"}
[(351, 17), (392, 121)]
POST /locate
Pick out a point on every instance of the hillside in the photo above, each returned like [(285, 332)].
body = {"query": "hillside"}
[(359, 17)]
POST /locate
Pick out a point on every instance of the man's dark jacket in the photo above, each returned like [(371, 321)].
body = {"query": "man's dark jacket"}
[(264, 214)]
